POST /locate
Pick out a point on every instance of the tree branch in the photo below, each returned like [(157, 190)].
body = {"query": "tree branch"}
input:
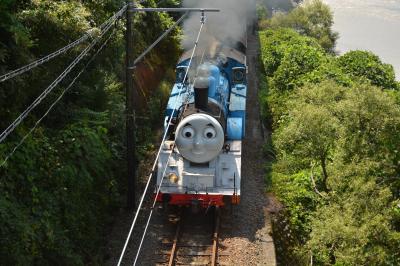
[(313, 182)]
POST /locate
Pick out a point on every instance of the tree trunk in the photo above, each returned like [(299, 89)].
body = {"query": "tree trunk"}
[(325, 177)]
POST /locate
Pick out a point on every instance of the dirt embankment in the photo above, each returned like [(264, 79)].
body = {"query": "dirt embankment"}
[(247, 234)]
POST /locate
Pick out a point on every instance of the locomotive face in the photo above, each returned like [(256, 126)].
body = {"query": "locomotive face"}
[(199, 138)]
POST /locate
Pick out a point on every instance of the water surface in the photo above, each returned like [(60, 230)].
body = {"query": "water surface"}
[(372, 25)]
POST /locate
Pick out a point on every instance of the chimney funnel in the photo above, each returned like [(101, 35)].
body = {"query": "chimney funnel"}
[(201, 93), (201, 88)]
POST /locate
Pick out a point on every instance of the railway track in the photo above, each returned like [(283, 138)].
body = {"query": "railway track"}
[(195, 241)]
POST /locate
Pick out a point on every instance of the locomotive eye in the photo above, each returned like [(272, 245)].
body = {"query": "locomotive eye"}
[(188, 132), (210, 133)]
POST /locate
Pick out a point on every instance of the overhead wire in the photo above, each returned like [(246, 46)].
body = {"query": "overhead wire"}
[(89, 34), (44, 59), (169, 157), (50, 88), (58, 98), (140, 57), (166, 164), (157, 157)]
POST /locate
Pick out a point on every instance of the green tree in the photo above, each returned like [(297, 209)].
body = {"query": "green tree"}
[(371, 120), (262, 12), (365, 65), (313, 18), (355, 228), (275, 44), (297, 61), (289, 59), (350, 133), (60, 189), (336, 148), (328, 70), (309, 138)]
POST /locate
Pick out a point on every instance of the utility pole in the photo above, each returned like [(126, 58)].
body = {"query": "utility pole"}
[(130, 111)]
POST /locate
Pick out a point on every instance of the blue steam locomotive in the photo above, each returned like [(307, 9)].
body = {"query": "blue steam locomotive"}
[(200, 162)]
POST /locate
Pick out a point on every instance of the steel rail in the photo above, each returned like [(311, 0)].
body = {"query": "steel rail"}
[(211, 250), (214, 255), (174, 245)]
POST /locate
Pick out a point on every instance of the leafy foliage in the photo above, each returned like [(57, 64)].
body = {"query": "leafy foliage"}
[(335, 145), (351, 135), (355, 228), (262, 12), (276, 44), (296, 188), (297, 61), (312, 18), (58, 205), (60, 189), (366, 65)]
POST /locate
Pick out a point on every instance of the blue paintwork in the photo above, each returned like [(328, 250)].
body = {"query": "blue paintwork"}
[(232, 97), (234, 128), (175, 100), (237, 107)]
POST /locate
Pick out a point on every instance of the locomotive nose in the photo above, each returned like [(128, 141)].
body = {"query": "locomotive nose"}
[(199, 138), (198, 145), (198, 149)]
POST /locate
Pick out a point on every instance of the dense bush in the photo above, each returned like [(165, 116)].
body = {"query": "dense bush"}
[(291, 60), (275, 46), (312, 18), (297, 61), (366, 65), (56, 194), (335, 147), (60, 189), (340, 140), (356, 228)]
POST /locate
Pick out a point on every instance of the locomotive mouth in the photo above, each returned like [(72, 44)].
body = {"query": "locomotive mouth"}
[(198, 152)]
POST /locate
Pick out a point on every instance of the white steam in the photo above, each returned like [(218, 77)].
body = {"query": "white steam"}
[(228, 25)]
